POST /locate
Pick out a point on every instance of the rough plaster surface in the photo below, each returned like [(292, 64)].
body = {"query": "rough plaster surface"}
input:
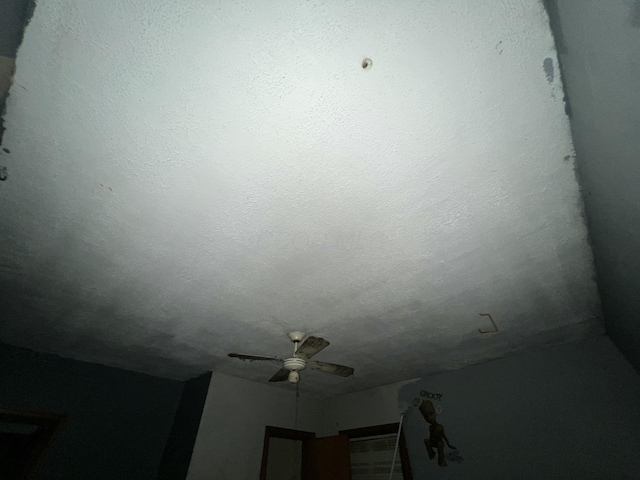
[(602, 74), (188, 179)]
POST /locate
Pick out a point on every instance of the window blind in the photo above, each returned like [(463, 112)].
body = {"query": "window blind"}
[(371, 458)]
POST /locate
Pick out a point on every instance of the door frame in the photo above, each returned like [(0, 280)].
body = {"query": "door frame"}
[(385, 429), (48, 426), (278, 432)]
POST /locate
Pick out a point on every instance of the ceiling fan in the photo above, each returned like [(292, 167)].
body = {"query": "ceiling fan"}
[(300, 359)]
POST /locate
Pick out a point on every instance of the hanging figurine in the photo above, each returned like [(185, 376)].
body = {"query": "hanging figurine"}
[(437, 438)]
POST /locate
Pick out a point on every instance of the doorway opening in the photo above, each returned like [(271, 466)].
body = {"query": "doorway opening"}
[(287, 454)]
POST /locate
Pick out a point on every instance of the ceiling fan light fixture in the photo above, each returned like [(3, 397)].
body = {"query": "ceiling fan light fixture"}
[(294, 376), (295, 363)]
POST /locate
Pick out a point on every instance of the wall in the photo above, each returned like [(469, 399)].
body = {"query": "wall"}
[(376, 406), (599, 49), (184, 431), (118, 420), (285, 459), (14, 15), (563, 412), (231, 434)]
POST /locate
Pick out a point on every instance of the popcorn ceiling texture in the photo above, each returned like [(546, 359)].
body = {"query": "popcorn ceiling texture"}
[(194, 178)]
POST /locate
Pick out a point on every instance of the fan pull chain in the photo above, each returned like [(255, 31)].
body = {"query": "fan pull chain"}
[(297, 397)]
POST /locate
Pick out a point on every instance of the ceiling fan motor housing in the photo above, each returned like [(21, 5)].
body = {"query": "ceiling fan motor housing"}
[(296, 336), (295, 363)]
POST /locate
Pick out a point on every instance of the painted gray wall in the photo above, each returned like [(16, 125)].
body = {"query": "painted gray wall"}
[(599, 49), (184, 431), (231, 435), (376, 406), (564, 412), (14, 14), (118, 420)]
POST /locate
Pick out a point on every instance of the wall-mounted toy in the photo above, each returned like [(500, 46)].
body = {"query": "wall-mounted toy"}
[(437, 437), (454, 456), (495, 327)]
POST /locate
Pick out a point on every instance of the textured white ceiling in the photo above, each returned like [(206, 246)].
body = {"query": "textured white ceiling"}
[(192, 178)]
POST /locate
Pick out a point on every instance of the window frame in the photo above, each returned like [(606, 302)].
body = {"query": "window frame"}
[(386, 429)]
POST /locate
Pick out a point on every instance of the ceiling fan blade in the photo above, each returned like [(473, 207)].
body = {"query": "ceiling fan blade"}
[(311, 346), (332, 368), (280, 376), (252, 358)]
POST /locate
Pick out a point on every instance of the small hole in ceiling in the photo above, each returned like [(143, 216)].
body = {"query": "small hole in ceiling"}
[(367, 63)]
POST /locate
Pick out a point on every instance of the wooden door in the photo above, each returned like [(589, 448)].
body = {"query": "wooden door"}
[(331, 458)]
